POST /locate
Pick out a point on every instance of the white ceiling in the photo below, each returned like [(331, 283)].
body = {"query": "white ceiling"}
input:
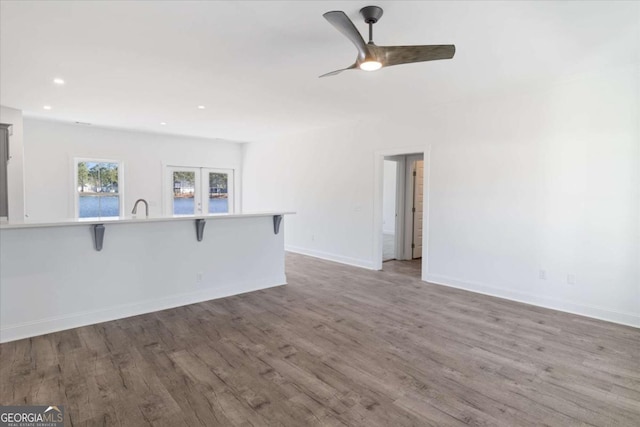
[(254, 65)]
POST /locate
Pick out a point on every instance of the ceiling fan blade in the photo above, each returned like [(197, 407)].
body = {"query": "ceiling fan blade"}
[(343, 24), (395, 55), (333, 73)]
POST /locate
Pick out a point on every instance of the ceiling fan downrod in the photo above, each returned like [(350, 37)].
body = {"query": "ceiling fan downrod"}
[(371, 15)]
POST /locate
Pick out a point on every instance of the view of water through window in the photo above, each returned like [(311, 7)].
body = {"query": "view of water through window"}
[(98, 194), (98, 189), (106, 206), (93, 207), (186, 185), (185, 206)]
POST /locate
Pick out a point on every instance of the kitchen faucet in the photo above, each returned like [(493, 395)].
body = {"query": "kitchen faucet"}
[(146, 207)]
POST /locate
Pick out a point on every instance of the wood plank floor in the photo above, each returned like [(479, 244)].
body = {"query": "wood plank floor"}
[(337, 346)]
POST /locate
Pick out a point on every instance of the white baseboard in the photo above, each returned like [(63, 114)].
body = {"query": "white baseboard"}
[(76, 320), (629, 319), (362, 263)]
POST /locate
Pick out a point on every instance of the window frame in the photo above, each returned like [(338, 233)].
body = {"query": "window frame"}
[(76, 196)]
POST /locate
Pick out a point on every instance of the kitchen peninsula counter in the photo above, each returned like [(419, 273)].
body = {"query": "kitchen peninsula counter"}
[(57, 275)]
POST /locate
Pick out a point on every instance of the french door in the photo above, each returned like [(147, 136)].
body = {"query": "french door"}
[(199, 191)]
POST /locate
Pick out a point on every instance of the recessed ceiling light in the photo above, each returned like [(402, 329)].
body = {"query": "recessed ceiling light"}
[(201, 107), (163, 123), (58, 81), (47, 107)]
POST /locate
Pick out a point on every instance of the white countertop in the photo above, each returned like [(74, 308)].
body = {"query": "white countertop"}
[(132, 220)]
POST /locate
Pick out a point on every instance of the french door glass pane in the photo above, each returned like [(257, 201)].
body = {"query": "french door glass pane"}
[(218, 192), (184, 190)]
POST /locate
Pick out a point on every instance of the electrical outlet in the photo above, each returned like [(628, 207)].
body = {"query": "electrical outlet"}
[(199, 276), (571, 279), (542, 274)]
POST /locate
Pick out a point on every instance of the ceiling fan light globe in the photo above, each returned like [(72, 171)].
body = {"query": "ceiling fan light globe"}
[(370, 65)]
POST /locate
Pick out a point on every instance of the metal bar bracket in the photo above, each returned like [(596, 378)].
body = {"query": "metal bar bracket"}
[(277, 219), (98, 236), (200, 223)]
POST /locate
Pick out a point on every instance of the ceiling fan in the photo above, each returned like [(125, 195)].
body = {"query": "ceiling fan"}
[(372, 57)]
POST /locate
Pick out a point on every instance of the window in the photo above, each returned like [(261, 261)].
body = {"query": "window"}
[(199, 191), (98, 188)]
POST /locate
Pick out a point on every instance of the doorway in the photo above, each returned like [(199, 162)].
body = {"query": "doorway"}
[(403, 208)]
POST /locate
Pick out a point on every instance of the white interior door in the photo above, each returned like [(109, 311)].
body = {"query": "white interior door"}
[(418, 203), (185, 193), (217, 191)]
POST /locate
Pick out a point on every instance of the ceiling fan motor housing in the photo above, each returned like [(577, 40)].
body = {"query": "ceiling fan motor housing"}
[(371, 14)]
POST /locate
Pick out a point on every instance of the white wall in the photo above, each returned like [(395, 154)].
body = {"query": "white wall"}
[(389, 197), (50, 147), (15, 167), (544, 178), (53, 279)]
